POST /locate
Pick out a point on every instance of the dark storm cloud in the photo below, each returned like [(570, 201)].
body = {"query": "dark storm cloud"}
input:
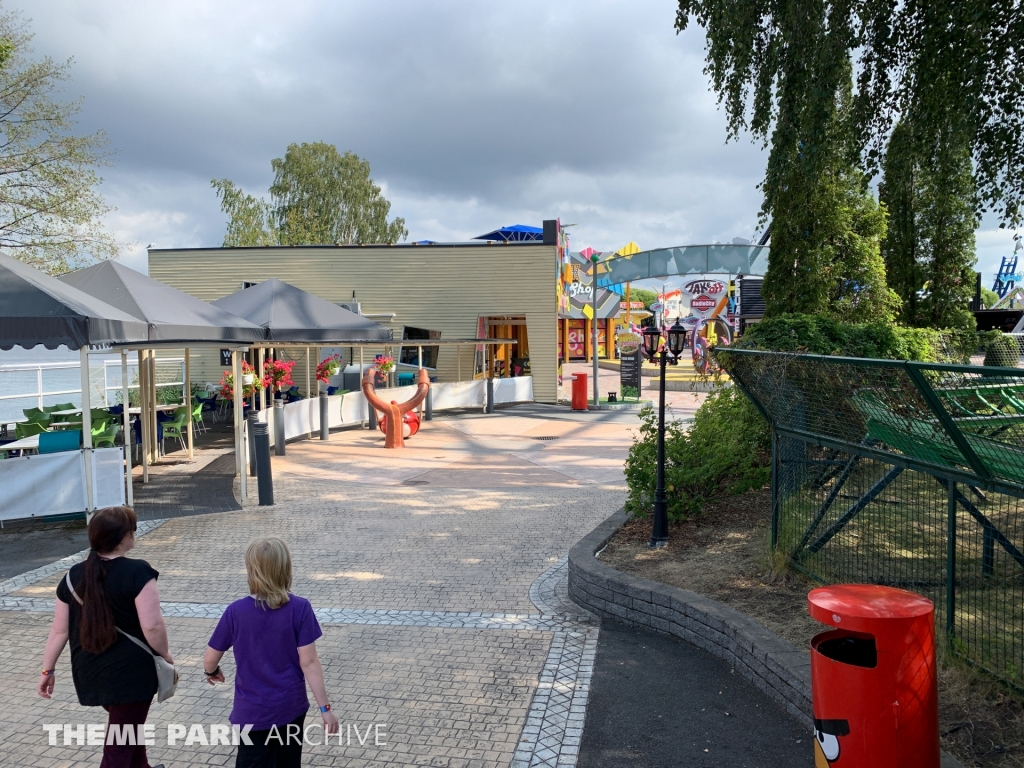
[(472, 115)]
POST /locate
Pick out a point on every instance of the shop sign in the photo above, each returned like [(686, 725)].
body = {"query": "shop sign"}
[(579, 289), (628, 343), (702, 303), (708, 287)]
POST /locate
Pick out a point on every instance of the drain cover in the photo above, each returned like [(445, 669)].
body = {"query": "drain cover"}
[(415, 482), (545, 437)]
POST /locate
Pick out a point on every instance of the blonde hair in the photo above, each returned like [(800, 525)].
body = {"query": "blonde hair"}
[(268, 564)]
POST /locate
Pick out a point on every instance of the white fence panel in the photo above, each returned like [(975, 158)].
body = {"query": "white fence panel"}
[(108, 477), (48, 484), (518, 389), (303, 416)]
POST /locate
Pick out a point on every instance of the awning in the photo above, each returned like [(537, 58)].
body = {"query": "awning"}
[(36, 308), (171, 315), (289, 314), (514, 233)]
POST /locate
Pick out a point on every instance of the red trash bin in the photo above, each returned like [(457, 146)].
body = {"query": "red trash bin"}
[(579, 392), (873, 680)]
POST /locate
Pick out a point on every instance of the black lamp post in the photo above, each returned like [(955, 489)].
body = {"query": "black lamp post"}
[(672, 351)]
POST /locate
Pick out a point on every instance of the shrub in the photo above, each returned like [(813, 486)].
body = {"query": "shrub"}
[(826, 336), (726, 451)]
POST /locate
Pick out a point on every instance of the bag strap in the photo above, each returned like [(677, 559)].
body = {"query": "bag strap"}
[(142, 645)]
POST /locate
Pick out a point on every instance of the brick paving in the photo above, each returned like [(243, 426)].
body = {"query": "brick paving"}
[(424, 593)]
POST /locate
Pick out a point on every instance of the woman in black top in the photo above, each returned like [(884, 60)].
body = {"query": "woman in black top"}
[(108, 669)]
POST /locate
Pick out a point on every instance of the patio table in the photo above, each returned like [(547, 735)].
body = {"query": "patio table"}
[(30, 443)]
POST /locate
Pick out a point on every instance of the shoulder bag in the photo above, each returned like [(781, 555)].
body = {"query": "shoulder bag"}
[(166, 674)]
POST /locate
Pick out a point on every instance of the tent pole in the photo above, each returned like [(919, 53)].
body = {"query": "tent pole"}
[(361, 380), (309, 397), (458, 360), (236, 374), (188, 400), (262, 358), (87, 432), (144, 412), (154, 424), (128, 437)]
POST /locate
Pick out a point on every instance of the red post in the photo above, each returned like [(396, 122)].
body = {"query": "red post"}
[(579, 392)]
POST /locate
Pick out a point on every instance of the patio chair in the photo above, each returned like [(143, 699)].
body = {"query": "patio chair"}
[(208, 403), (39, 417), (175, 426), (30, 413), (104, 438), (197, 419), (56, 442), (25, 429)]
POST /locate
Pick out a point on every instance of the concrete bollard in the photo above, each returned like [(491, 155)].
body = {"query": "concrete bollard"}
[(489, 405), (279, 426), (253, 419), (264, 481), (325, 426), (428, 408)]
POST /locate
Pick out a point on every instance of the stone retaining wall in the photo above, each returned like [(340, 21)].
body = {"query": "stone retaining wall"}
[(756, 653)]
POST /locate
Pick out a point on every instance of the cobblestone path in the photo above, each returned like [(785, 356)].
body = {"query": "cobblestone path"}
[(438, 576)]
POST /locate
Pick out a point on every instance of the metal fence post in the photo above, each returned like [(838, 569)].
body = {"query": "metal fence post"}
[(264, 481), (489, 406), (279, 426), (775, 489), (950, 557), (253, 420), (428, 410), (325, 427), (371, 417)]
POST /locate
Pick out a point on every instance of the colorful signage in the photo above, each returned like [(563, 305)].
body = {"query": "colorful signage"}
[(702, 303), (708, 287)]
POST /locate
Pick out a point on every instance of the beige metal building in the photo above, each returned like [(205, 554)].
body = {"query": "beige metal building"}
[(463, 291)]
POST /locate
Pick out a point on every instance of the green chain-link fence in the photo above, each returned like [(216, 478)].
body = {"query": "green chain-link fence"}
[(905, 474)]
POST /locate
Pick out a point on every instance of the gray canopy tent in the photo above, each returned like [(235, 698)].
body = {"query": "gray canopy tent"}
[(36, 308), (174, 319), (292, 317), (290, 314)]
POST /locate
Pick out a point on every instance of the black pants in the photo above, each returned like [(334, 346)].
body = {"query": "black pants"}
[(126, 755), (273, 753)]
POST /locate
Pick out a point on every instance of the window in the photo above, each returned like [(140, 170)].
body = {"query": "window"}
[(410, 355)]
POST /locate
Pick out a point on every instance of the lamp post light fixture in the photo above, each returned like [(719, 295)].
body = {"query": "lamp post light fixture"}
[(671, 352), (594, 258)]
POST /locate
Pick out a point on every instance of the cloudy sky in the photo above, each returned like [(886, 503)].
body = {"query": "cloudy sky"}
[(472, 115)]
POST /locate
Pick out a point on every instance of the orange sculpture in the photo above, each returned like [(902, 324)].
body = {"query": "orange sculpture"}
[(393, 414)]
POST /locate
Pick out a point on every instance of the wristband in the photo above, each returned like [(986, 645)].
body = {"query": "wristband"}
[(48, 672), (326, 707), (214, 673)]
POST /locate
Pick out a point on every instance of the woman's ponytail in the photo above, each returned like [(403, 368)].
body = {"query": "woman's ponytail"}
[(107, 530)]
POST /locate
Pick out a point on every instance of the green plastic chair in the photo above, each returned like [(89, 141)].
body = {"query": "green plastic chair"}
[(104, 438), (31, 412), (197, 418), (40, 417), (25, 429), (176, 427)]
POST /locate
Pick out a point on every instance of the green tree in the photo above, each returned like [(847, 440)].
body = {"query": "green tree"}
[(770, 61), (929, 250), (319, 197), (50, 209), (648, 297), (827, 227)]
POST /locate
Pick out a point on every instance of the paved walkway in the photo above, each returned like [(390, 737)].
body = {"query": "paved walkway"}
[(438, 575)]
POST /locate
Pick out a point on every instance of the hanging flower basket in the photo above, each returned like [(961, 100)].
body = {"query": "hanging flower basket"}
[(250, 384), (277, 375), (328, 368)]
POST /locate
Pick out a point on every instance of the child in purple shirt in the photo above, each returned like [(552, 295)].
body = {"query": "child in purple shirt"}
[(273, 634)]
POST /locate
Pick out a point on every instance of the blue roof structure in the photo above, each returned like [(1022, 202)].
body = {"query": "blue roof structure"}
[(514, 233)]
